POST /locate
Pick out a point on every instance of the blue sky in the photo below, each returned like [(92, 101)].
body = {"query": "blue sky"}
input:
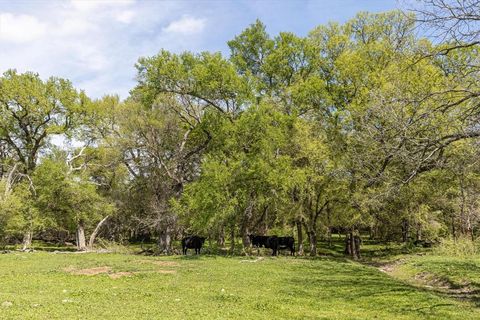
[(96, 43)]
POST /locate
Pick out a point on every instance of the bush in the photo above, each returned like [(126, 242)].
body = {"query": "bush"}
[(463, 247), (112, 246)]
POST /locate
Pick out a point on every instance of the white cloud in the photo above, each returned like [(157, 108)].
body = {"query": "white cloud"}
[(125, 16), (89, 5), (95, 44), (20, 27), (186, 25), (73, 26)]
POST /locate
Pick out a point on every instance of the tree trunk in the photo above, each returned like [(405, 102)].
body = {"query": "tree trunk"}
[(245, 240), (247, 216), (357, 241), (470, 228), (329, 237), (312, 238), (95, 232), (80, 236), (405, 230), (454, 230), (165, 240), (232, 240), (300, 238), (419, 232), (264, 230), (27, 240), (352, 245), (221, 237)]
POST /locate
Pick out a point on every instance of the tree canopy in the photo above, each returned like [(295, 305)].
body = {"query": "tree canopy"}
[(358, 128)]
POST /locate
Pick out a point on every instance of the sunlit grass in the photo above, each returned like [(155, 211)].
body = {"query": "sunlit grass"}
[(41, 286)]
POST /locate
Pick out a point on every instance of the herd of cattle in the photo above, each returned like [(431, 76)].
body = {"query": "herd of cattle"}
[(270, 242)]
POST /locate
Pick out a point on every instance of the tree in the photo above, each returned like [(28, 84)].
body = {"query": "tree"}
[(246, 175), (31, 112), (68, 200)]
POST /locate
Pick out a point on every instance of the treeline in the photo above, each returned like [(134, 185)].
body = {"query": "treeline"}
[(356, 128)]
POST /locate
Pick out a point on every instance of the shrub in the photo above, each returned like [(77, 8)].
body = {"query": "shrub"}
[(463, 246)]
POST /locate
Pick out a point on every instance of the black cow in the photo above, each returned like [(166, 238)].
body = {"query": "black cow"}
[(192, 242), (258, 241), (273, 242), (276, 243)]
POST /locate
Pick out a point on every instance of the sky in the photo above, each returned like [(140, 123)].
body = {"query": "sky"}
[(96, 43)]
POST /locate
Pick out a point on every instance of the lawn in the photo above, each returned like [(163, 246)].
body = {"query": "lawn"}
[(44, 285)]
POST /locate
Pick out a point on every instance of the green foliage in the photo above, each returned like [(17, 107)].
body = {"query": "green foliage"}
[(65, 199), (460, 247), (17, 210), (248, 163), (356, 126), (32, 110)]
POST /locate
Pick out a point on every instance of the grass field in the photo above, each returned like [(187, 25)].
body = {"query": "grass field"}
[(44, 285)]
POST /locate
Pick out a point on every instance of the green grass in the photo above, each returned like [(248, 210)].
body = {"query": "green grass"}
[(457, 276), (211, 287)]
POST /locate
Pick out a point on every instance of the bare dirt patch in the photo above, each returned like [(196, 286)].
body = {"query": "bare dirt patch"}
[(118, 275), (255, 260), (89, 271), (432, 281), (165, 271), (391, 266), (160, 263)]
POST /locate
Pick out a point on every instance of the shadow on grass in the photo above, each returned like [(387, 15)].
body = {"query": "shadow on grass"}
[(357, 287)]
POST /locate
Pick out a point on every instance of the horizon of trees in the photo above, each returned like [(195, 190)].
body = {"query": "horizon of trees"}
[(357, 127)]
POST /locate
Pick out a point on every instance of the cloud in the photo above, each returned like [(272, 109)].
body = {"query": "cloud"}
[(73, 26), (20, 27), (186, 25), (125, 16), (89, 5), (95, 44)]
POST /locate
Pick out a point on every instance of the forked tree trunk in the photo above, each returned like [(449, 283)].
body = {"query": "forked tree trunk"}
[(95, 232), (80, 236)]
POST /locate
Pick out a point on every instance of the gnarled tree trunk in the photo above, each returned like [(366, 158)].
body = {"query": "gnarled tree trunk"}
[(95, 232)]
